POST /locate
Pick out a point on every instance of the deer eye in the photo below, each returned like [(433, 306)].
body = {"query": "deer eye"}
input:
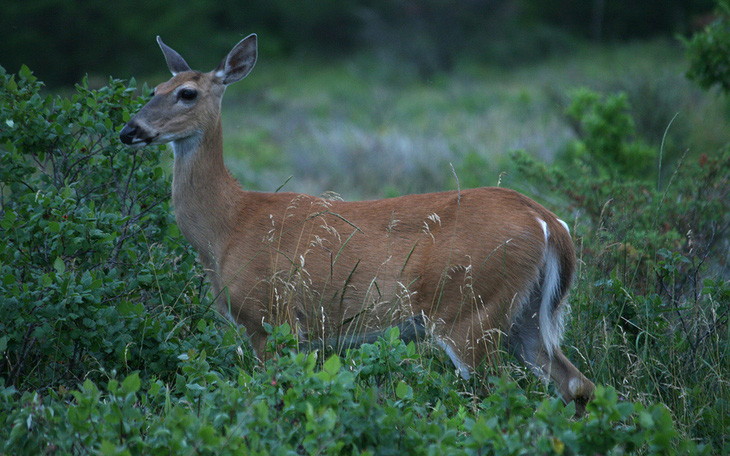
[(187, 94)]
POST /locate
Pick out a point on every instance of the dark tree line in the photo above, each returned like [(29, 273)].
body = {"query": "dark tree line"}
[(62, 40)]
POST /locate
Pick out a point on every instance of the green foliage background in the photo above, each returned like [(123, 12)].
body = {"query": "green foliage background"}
[(62, 41), (109, 344)]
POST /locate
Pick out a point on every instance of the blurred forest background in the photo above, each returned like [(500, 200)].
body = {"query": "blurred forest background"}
[(62, 40), (374, 98)]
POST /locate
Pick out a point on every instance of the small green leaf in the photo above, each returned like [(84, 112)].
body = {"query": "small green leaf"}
[(155, 388), (96, 233), (333, 365), (208, 435), (59, 265), (646, 420), (26, 73), (403, 391), (195, 387), (125, 308), (145, 278), (8, 220), (481, 431), (107, 448), (330, 369), (309, 362), (132, 383), (285, 329)]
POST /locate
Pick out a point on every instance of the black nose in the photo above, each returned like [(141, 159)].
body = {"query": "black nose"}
[(128, 134)]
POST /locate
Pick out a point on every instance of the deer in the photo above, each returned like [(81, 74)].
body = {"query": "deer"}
[(478, 271)]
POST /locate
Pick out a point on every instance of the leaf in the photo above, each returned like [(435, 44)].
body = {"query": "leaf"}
[(481, 432), (201, 325), (8, 220), (208, 435), (86, 279), (333, 365), (195, 387), (285, 329), (155, 388), (145, 278), (59, 265), (558, 445), (309, 362), (107, 448), (96, 284), (403, 391), (25, 73), (125, 308), (96, 233), (330, 369), (132, 383), (645, 420)]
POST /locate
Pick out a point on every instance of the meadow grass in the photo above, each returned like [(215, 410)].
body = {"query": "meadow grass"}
[(366, 129)]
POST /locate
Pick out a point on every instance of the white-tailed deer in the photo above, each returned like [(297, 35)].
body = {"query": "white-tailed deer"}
[(484, 269)]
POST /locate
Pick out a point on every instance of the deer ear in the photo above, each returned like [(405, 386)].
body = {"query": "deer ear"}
[(175, 62), (240, 61)]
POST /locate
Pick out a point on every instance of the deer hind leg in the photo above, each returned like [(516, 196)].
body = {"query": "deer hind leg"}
[(534, 339), (572, 384)]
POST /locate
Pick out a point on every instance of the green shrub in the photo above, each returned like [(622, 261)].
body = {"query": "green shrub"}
[(296, 404), (709, 51), (95, 276), (606, 136)]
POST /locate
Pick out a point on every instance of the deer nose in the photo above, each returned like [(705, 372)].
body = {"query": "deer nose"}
[(128, 134), (136, 135)]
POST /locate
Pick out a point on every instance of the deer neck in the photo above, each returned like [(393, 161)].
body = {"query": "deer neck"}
[(204, 194)]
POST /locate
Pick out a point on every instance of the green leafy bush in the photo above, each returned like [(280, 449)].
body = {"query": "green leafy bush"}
[(709, 51), (95, 276), (296, 404), (606, 136)]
